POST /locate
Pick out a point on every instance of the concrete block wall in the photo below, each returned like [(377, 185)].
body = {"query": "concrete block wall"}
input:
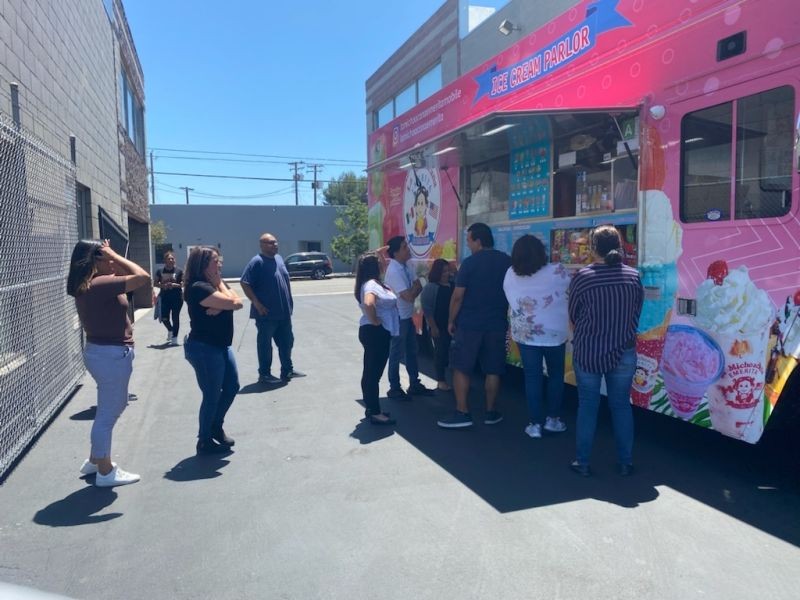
[(62, 56), (236, 229)]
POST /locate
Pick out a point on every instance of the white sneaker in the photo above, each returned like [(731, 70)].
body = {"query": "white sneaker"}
[(554, 425), (173, 341), (534, 430), (116, 477), (169, 338), (89, 468)]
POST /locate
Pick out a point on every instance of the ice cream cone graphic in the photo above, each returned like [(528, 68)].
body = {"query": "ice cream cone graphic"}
[(649, 349), (786, 353), (738, 316)]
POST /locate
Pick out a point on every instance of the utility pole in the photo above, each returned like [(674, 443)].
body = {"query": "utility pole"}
[(152, 180), (295, 166), (315, 185), (187, 190)]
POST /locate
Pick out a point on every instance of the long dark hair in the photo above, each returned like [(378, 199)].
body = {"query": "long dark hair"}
[(437, 268), (369, 267), (82, 266), (528, 255), (607, 245), (196, 265)]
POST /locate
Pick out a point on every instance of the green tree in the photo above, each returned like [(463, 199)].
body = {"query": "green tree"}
[(351, 222), (158, 232), (348, 186)]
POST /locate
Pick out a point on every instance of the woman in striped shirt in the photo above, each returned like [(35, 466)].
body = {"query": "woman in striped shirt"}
[(605, 300)]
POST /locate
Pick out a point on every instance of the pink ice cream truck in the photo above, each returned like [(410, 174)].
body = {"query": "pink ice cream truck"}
[(677, 122)]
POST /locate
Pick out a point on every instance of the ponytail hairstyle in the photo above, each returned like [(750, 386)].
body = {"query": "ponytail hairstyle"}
[(83, 266), (607, 245)]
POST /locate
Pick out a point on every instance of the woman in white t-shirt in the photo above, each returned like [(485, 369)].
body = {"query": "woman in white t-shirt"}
[(537, 308), (379, 322)]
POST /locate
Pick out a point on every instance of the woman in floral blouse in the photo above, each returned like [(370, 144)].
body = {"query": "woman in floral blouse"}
[(537, 305)]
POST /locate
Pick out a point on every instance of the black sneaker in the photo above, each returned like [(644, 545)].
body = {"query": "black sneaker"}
[(493, 417), (292, 375), (209, 446), (397, 393), (220, 436), (420, 390), (580, 469), (625, 470), (457, 420), (268, 380)]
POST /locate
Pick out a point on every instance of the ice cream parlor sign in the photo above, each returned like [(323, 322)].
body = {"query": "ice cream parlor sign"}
[(601, 16)]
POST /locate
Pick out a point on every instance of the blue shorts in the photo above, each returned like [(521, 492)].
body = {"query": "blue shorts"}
[(487, 348)]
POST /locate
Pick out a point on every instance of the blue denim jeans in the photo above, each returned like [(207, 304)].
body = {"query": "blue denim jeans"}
[(279, 330), (618, 387), (215, 369), (404, 344), (111, 368), (532, 366)]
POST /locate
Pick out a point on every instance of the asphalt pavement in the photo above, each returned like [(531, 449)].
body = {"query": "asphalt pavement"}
[(315, 503)]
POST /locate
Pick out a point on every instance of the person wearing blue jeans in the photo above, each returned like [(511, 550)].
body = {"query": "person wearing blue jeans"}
[(266, 284), (618, 388), (537, 309), (217, 376), (532, 357), (279, 330), (400, 278), (208, 346), (605, 301)]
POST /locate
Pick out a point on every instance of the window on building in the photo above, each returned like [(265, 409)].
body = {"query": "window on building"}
[(306, 246), (429, 83), (83, 197), (764, 146), (406, 99), (385, 113), (131, 114)]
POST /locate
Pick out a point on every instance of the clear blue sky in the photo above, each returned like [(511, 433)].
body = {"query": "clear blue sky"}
[(261, 77)]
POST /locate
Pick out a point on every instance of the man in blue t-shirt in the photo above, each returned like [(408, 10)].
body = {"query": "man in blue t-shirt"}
[(478, 323), (265, 282)]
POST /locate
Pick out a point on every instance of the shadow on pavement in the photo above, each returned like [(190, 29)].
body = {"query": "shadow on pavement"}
[(759, 485), (78, 508), (258, 388), (197, 467), (85, 415), (366, 433)]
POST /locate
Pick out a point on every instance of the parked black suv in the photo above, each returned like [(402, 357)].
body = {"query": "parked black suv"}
[(309, 264)]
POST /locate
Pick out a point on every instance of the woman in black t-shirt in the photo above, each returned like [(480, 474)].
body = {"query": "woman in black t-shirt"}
[(208, 346), (169, 280)]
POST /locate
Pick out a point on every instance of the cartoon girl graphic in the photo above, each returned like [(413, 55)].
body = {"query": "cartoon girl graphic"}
[(420, 210)]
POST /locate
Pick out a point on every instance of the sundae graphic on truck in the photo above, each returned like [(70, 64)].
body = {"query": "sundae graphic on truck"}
[(677, 122)]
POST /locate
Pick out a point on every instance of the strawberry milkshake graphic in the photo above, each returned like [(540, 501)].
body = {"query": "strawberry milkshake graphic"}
[(692, 361), (787, 349), (738, 316), (660, 252)]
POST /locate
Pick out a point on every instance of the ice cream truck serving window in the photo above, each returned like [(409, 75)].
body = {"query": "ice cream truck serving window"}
[(676, 122)]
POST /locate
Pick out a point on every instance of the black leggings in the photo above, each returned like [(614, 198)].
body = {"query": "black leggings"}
[(441, 353), (375, 340), (171, 313)]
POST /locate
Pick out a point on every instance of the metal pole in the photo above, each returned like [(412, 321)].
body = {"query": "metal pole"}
[(187, 190), (152, 180)]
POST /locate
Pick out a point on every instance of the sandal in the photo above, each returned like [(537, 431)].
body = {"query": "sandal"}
[(376, 420)]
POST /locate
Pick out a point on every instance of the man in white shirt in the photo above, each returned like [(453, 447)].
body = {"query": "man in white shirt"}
[(401, 280)]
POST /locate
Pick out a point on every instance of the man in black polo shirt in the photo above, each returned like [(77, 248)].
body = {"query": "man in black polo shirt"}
[(478, 323)]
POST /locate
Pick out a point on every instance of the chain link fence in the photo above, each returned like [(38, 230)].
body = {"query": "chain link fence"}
[(40, 336)]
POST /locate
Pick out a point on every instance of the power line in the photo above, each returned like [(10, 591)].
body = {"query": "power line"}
[(234, 177), (360, 162), (242, 160)]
